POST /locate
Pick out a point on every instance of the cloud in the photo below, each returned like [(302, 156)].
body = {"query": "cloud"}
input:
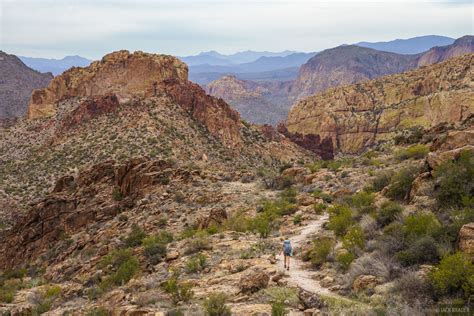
[(91, 28)]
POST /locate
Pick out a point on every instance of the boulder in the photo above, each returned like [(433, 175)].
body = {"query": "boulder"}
[(466, 239), (254, 280), (310, 300), (364, 282)]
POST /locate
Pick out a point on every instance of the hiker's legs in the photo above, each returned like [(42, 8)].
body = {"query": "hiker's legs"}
[(288, 264), (284, 260)]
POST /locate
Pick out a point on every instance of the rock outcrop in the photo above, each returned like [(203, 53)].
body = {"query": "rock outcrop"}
[(16, 85), (466, 239), (357, 116), (137, 75), (254, 280)]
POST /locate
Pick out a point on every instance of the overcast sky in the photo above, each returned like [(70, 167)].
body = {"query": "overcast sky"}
[(91, 28)]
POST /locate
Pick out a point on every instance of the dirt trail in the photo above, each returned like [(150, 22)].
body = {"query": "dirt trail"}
[(298, 275)]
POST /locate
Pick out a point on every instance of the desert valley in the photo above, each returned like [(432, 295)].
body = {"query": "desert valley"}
[(143, 183)]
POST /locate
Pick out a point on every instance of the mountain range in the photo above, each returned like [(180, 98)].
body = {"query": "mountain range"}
[(55, 66), (414, 45)]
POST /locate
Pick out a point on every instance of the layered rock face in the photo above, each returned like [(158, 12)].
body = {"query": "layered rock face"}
[(257, 102), (357, 116), (16, 85), (130, 75)]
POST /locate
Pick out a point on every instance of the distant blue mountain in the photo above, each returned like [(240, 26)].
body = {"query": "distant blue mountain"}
[(413, 45), (55, 66), (216, 59)]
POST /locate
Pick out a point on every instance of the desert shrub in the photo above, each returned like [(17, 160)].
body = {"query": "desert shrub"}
[(410, 135), (413, 287), (117, 194), (455, 273), (456, 180), (297, 219), (340, 219), (354, 239), (46, 299), (154, 248), (381, 180), (196, 263), (393, 238), (319, 208), (321, 250), (198, 243), (457, 218), (400, 183), (424, 250), (416, 152), (135, 236), (345, 259), (215, 305), (121, 266), (324, 196), (388, 212), (179, 291), (363, 202), (279, 309), (261, 224), (237, 222), (289, 194), (314, 167), (419, 225), (373, 264), (285, 166)]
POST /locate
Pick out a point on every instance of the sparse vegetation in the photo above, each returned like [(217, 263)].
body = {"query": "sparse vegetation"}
[(196, 263), (121, 266), (454, 275), (413, 152), (178, 290), (215, 305), (321, 250), (340, 219), (400, 183)]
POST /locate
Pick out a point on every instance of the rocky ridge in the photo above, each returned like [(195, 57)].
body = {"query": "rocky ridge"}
[(358, 116)]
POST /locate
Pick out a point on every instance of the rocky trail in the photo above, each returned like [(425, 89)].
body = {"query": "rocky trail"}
[(299, 274)]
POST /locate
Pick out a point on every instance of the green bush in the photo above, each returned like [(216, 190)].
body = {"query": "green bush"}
[(319, 208), (179, 291), (363, 202), (340, 219), (279, 309), (424, 250), (98, 311), (154, 248), (289, 195), (381, 180), (455, 273), (456, 180), (135, 237), (215, 305), (325, 197), (198, 243), (117, 194), (297, 219), (196, 263), (400, 183), (121, 266), (354, 239), (388, 212), (46, 299), (420, 225), (320, 251), (416, 152), (345, 259)]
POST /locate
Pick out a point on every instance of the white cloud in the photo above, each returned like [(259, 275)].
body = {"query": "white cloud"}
[(92, 28)]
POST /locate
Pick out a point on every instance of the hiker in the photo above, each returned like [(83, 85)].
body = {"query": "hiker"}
[(287, 253)]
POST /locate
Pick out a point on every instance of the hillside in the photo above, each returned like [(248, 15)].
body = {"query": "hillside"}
[(16, 85), (130, 191), (358, 116), (463, 45)]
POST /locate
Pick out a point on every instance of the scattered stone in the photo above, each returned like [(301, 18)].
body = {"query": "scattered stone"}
[(254, 280)]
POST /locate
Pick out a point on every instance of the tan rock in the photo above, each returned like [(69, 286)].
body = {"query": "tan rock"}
[(364, 282), (254, 280), (466, 239), (356, 116), (172, 255)]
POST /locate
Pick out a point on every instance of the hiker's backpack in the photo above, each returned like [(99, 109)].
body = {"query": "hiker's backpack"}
[(287, 247)]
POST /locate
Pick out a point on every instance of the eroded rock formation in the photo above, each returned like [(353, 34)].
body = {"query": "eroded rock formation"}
[(357, 116)]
